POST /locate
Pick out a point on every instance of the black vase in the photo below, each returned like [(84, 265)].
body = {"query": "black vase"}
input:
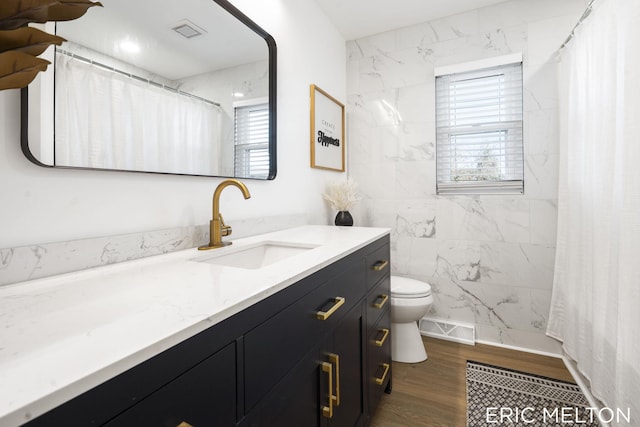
[(344, 218)]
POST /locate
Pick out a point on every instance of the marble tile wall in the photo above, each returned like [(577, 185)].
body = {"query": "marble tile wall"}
[(33, 262), (489, 259)]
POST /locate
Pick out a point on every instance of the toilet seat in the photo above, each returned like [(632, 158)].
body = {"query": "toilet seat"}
[(404, 287)]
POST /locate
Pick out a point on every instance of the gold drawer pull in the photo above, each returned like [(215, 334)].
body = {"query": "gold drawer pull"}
[(327, 411), (386, 366), (380, 265), (381, 304), (324, 315), (184, 424), (335, 359), (385, 334)]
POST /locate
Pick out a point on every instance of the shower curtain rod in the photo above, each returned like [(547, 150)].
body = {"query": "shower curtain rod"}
[(584, 16), (133, 76)]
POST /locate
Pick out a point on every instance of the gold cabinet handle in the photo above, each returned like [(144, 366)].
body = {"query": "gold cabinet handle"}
[(327, 411), (385, 334), (324, 315), (380, 265), (386, 366), (184, 424), (335, 359), (384, 298)]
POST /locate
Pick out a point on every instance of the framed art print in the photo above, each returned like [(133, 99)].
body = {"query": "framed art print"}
[(327, 131)]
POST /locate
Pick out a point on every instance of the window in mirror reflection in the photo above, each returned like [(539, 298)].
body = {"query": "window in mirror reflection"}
[(251, 139)]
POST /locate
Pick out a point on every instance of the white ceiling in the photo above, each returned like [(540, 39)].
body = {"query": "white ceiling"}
[(143, 22), (149, 23), (359, 18)]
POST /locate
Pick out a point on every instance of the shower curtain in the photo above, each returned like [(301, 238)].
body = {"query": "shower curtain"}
[(107, 120), (595, 308)]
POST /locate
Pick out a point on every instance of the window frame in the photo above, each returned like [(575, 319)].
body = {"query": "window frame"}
[(244, 160), (455, 127)]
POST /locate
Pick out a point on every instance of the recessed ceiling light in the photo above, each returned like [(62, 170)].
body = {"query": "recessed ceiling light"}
[(129, 46), (238, 94)]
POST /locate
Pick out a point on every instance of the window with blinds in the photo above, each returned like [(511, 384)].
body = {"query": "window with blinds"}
[(252, 141), (479, 131)]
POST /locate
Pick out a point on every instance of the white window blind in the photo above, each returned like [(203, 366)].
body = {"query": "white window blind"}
[(252, 141), (479, 131)]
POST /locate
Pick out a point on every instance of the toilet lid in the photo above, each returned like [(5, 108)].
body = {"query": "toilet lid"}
[(405, 287)]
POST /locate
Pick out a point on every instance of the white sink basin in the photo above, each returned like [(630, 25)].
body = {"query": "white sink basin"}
[(257, 255)]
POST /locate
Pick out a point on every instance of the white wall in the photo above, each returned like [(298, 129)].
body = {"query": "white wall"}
[(40, 205), (489, 259)]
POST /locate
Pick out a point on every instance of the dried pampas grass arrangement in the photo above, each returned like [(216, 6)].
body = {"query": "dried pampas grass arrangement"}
[(342, 195)]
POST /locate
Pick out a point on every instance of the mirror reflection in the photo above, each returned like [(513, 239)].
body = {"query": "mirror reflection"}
[(160, 86)]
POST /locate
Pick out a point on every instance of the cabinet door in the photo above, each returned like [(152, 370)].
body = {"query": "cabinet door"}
[(294, 401), (343, 350), (325, 388), (203, 396), (273, 348)]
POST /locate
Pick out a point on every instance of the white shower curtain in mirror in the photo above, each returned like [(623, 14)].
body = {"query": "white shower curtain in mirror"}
[(595, 309), (108, 120)]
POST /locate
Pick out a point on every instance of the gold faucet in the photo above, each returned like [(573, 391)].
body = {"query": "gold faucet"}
[(217, 227)]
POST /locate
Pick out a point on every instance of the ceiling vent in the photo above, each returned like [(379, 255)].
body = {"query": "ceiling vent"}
[(188, 29)]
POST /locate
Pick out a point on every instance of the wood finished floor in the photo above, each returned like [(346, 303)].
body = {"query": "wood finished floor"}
[(433, 393)]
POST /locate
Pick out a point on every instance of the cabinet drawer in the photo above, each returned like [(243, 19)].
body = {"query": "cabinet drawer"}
[(380, 333), (274, 347), (203, 396), (378, 265), (379, 359), (378, 301)]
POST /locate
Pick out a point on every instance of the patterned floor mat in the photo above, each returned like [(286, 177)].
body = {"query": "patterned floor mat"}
[(502, 397)]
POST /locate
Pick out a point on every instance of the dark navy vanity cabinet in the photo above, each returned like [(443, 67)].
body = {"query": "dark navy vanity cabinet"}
[(315, 354)]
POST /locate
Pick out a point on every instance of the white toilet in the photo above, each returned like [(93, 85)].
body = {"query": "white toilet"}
[(410, 300)]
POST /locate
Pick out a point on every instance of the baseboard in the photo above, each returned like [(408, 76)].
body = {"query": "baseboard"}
[(465, 333), (584, 387), (523, 349)]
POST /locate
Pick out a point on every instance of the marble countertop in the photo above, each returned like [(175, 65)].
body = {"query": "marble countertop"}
[(65, 334)]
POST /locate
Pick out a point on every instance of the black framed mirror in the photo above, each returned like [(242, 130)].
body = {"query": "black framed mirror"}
[(184, 88)]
